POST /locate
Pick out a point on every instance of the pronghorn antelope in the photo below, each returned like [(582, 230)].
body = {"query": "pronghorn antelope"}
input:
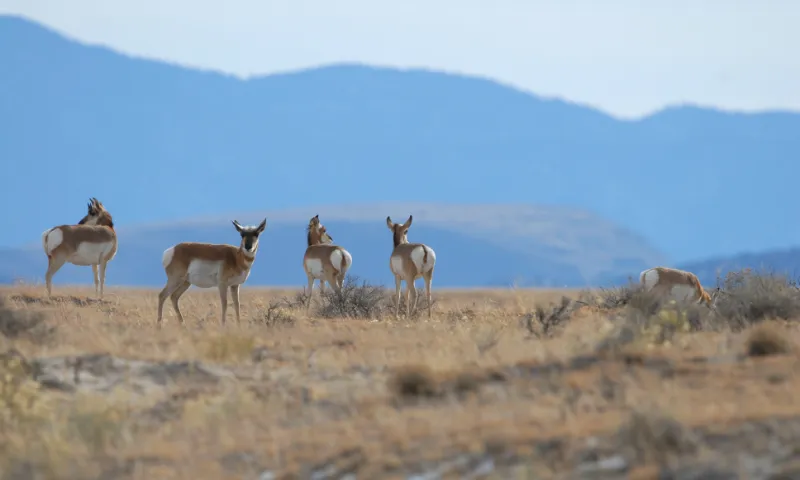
[(408, 262), (207, 265), (92, 241), (324, 261), (678, 284)]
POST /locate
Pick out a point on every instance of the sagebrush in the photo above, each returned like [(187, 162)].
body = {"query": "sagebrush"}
[(361, 299)]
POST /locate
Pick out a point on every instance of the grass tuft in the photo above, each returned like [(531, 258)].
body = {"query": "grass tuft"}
[(16, 324), (416, 381), (768, 339), (226, 347), (355, 300)]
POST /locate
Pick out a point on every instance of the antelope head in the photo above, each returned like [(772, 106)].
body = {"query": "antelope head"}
[(250, 236), (323, 235), (317, 233), (399, 231), (714, 297), (96, 210)]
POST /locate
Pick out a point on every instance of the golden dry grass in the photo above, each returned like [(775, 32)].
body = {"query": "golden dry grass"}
[(382, 398)]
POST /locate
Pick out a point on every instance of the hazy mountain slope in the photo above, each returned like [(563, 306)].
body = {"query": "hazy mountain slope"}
[(514, 244), (780, 261), (157, 141), (784, 261)]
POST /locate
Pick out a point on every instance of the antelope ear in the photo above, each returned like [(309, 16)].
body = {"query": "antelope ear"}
[(262, 226), (389, 223), (408, 222), (238, 227)]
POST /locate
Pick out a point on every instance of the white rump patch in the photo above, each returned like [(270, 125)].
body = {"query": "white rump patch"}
[(314, 267), (204, 274), (51, 239), (166, 259), (348, 260), (649, 278), (418, 255), (336, 260), (89, 253)]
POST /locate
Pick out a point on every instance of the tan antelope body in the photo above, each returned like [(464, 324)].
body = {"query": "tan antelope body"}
[(208, 265), (678, 284), (92, 241), (324, 261), (408, 262)]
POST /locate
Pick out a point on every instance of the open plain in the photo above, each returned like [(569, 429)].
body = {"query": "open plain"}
[(512, 383)]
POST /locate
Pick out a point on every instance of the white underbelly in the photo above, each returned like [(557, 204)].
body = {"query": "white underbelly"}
[(314, 268), (90, 253), (683, 292), (204, 274), (397, 265)]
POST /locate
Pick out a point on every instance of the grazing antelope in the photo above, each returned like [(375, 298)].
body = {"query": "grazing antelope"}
[(679, 284), (207, 265), (408, 262), (324, 261), (92, 241)]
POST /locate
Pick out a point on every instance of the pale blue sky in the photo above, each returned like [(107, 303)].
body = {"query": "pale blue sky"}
[(627, 57)]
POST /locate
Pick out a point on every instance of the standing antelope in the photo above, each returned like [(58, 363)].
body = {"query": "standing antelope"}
[(408, 262), (207, 265), (324, 261), (679, 284), (92, 241)]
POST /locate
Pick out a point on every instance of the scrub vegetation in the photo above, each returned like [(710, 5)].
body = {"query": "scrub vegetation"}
[(514, 383)]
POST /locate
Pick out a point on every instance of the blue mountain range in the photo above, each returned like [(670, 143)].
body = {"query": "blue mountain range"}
[(507, 186)]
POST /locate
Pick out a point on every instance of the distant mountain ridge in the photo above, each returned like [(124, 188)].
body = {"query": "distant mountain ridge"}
[(155, 142), (781, 262), (785, 261)]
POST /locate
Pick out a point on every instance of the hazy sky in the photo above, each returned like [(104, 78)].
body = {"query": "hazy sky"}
[(628, 57)]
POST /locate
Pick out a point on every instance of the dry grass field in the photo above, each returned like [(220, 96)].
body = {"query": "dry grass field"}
[(605, 387)]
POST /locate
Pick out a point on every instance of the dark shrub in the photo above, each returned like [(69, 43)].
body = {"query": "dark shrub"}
[(750, 297), (353, 301), (413, 381), (613, 297), (277, 315), (550, 317), (278, 312), (766, 339)]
